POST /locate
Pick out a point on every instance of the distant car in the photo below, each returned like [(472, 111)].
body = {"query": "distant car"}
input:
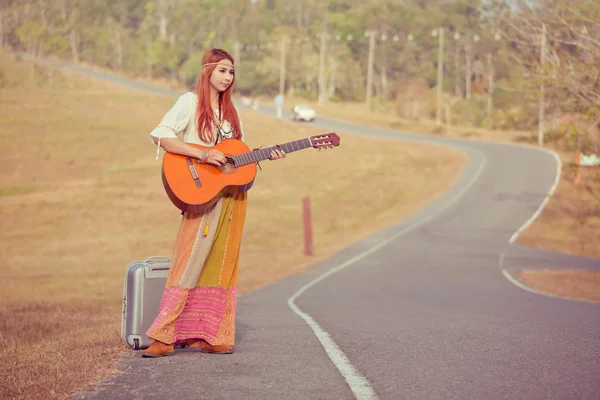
[(303, 112)]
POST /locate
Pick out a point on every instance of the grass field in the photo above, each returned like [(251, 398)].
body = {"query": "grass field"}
[(81, 197), (571, 284)]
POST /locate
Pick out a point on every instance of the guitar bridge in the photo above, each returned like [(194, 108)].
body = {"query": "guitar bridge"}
[(193, 172)]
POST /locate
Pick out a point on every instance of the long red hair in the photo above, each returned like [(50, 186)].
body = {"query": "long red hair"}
[(206, 119)]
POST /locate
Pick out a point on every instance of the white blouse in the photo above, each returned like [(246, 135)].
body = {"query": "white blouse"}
[(182, 118)]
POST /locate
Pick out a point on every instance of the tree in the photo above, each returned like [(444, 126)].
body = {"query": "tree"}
[(569, 64)]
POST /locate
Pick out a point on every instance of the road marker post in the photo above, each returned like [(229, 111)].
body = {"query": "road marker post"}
[(308, 243), (578, 164)]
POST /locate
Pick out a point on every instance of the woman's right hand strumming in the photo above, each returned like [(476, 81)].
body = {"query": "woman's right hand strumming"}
[(215, 157), (176, 146)]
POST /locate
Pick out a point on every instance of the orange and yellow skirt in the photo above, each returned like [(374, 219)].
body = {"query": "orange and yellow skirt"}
[(199, 299)]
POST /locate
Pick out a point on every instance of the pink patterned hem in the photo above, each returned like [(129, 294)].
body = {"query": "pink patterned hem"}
[(190, 313)]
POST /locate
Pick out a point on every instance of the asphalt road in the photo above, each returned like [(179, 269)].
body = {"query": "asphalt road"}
[(422, 310)]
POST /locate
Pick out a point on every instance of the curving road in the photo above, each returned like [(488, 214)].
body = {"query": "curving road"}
[(422, 310)]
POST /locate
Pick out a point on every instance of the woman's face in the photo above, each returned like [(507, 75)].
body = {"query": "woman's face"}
[(222, 76)]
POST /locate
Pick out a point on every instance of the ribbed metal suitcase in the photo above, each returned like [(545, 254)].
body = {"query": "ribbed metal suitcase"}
[(142, 293)]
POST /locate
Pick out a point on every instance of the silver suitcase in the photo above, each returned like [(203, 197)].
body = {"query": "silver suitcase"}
[(142, 293)]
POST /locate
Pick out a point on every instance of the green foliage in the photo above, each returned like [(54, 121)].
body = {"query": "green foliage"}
[(167, 39), (57, 45), (135, 58), (190, 69), (30, 35), (96, 44), (470, 112), (415, 99)]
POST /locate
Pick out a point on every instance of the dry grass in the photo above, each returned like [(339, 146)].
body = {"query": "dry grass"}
[(81, 197), (52, 348), (573, 284), (571, 220)]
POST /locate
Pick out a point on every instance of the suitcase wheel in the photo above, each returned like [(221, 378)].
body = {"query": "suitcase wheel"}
[(136, 344)]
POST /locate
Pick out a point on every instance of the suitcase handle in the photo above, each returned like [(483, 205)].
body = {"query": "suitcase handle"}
[(156, 260)]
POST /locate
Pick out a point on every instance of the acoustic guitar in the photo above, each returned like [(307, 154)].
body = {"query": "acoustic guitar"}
[(188, 182)]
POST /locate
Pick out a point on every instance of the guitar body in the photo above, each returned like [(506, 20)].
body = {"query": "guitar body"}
[(188, 182)]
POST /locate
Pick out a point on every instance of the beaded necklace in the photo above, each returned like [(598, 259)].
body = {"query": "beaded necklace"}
[(221, 133)]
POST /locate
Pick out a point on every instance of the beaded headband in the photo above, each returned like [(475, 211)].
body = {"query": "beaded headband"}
[(216, 63)]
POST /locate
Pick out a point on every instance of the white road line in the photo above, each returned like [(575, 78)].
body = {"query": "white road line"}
[(537, 213), (529, 289), (527, 224), (521, 285), (360, 386)]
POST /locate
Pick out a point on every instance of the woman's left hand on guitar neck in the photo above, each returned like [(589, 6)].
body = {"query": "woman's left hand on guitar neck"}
[(277, 153)]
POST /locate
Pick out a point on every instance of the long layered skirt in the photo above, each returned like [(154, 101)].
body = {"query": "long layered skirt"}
[(199, 299)]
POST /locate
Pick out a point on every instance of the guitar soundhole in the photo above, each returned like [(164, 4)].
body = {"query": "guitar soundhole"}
[(227, 167)]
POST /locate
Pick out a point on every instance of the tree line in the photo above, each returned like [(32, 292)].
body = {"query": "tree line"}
[(505, 64)]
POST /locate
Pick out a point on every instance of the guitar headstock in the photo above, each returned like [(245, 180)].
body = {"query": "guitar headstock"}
[(325, 140)]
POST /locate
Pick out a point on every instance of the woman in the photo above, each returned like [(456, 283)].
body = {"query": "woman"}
[(199, 300)]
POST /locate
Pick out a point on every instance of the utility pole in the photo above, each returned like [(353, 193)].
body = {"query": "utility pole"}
[(457, 89), (163, 21), (490, 99), (236, 57), (370, 68), (282, 66), (1, 29), (468, 71), (322, 83), (440, 78), (542, 89)]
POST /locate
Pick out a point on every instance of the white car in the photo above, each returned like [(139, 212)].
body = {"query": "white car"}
[(303, 112)]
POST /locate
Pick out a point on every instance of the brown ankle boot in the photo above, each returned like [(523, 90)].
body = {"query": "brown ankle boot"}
[(216, 349), (158, 349)]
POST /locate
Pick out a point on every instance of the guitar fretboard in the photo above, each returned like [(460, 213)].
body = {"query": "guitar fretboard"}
[(264, 154)]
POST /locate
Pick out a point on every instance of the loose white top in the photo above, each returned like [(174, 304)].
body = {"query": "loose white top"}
[(182, 118)]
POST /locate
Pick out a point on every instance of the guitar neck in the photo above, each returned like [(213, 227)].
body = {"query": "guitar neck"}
[(264, 154)]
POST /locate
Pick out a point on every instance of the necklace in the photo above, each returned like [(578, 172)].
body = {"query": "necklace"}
[(221, 133)]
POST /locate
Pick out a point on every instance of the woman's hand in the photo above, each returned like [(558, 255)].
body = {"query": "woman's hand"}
[(215, 157), (277, 153)]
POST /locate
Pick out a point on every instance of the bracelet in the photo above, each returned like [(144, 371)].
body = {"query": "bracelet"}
[(204, 157)]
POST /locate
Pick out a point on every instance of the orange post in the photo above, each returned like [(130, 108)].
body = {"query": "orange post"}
[(578, 162), (308, 245)]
